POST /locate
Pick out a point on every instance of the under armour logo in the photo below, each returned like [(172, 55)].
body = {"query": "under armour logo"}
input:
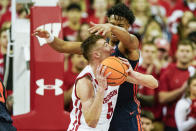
[(42, 87), (53, 28)]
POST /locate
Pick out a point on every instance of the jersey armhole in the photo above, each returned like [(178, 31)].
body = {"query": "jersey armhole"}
[(87, 74)]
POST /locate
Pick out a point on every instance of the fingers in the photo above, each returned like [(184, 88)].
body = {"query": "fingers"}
[(108, 74), (103, 71), (126, 62), (129, 70), (92, 23), (99, 31), (36, 31), (94, 29), (99, 69)]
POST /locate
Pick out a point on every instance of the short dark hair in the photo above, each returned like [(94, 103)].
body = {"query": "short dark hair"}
[(88, 44), (147, 114), (123, 11), (186, 42), (74, 6)]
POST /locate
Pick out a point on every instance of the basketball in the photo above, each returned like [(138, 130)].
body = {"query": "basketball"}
[(118, 70)]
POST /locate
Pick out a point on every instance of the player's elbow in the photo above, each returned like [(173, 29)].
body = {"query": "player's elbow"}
[(92, 123)]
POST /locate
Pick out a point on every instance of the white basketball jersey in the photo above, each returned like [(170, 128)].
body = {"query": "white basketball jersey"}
[(110, 97)]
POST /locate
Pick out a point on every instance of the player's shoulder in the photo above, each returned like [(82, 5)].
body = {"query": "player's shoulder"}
[(84, 87)]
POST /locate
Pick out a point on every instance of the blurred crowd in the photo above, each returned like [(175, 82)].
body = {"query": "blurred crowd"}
[(167, 33)]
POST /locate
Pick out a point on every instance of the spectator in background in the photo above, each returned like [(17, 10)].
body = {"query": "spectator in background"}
[(147, 119), (158, 7), (78, 62), (142, 12), (98, 14), (153, 29), (148, 97), (185, 112), (172, 82), (72, 25), (183, 30), (171, 5), (163, 57), (83, 32)]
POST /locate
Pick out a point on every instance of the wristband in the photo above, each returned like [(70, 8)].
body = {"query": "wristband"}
[(50, 39)]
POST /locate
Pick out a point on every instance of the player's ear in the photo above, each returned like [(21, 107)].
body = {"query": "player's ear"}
[(97, 54)]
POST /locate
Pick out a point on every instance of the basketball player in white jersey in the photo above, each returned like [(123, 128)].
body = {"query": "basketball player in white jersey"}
[(93, 100)]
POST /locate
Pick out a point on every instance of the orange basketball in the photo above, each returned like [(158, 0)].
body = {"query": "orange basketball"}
[(118, 70)]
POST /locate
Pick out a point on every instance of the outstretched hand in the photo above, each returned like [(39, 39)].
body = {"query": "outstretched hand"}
[(41, 33), (102, 80), (101, 29), (126, 62)]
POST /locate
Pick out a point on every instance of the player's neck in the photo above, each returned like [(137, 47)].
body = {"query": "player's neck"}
[(94, 65)]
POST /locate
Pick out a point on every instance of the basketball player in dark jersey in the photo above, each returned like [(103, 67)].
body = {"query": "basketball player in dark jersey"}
[(5, 118), (126, 115)]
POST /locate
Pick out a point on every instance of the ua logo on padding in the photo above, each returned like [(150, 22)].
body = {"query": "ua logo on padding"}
[(42, 87)]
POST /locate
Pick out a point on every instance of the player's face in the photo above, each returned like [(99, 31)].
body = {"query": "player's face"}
[(117, 21), (149, 52), (104, 49), (184, 54), (193, 88), (146, 124)]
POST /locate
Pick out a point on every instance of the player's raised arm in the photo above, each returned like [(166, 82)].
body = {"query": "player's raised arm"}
[(139, 78), (58, 44), (128, 40)]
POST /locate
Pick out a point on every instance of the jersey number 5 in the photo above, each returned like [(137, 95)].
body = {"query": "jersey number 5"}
[(110, 110)]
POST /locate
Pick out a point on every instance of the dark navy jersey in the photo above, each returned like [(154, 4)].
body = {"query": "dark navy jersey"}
[(127, 103), (4, 115)]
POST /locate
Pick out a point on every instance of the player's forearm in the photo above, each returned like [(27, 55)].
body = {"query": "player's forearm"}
[(143, 79), (129, 41), (166, 97), (92, 115), (66, 46)]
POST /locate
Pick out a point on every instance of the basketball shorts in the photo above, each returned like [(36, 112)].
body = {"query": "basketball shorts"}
[(125, 121)]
